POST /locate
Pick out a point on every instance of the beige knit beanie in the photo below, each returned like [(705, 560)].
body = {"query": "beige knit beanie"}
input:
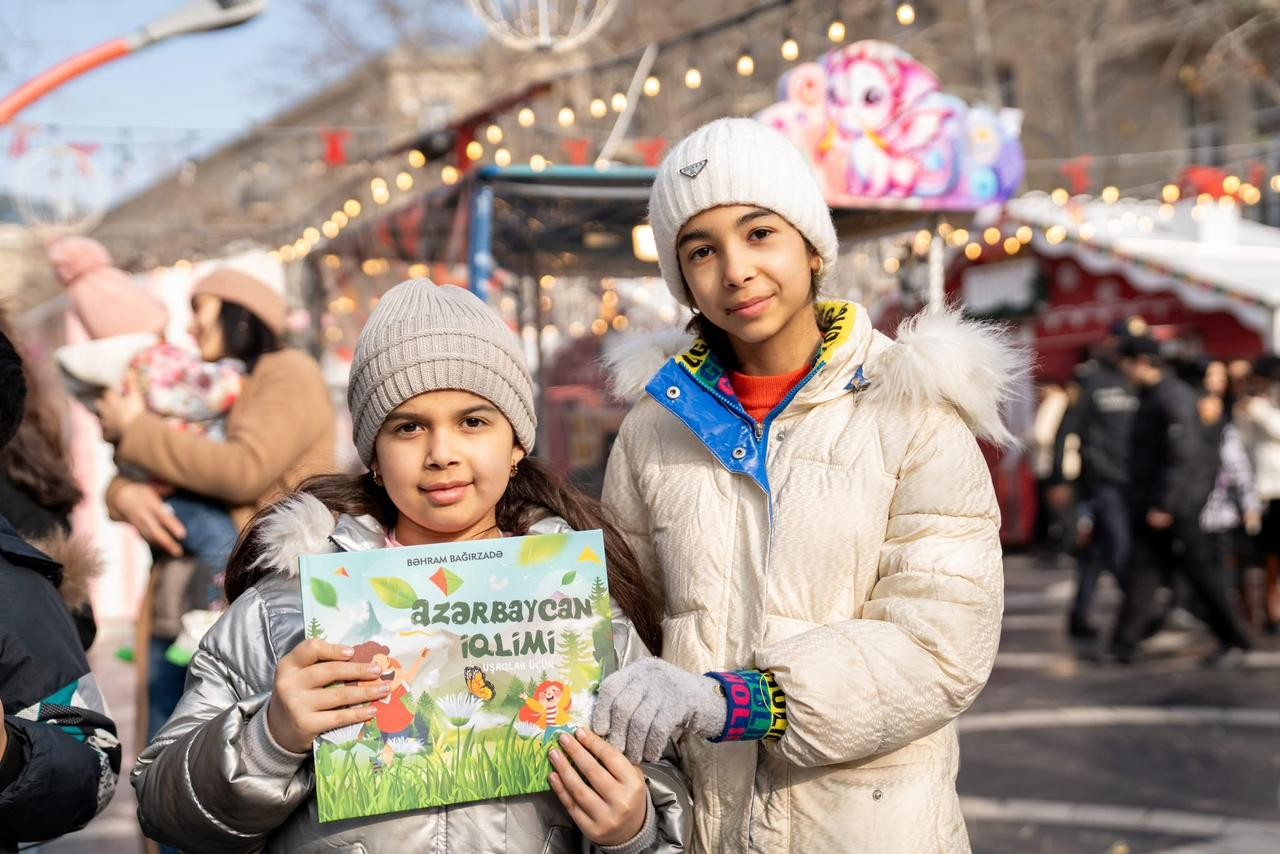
[(423, 337), (246, 291), (736, 162)]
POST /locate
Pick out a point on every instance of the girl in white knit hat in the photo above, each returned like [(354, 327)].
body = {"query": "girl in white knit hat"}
[(442, 407), (812, 502)]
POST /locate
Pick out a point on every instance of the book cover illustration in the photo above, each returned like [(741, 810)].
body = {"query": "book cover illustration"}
[(493, 648)]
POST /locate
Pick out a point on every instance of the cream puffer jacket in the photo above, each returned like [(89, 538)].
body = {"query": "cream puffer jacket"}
[(213, 779), (850, 544)]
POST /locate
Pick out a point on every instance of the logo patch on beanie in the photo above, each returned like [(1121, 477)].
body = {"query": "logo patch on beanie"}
[(693, 169)]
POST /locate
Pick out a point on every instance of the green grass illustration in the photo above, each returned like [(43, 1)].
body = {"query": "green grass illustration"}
[(491, 764)]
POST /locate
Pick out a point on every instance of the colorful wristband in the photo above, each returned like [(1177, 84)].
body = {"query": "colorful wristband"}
[(777, 707), (755, 708)]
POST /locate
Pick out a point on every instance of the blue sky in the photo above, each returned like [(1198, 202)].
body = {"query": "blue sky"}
[(167, 102)]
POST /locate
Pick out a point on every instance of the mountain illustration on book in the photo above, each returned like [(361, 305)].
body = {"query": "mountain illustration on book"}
[(491, 649), (365, 625)]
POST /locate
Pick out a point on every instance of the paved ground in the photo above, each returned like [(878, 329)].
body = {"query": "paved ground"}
[(1059, 756)]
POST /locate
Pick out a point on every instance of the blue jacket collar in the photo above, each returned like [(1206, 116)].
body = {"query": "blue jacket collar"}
[(695, 387)]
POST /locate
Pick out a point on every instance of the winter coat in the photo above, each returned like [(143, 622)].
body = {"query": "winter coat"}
[(60, 767), (1172, 467), (1233, 490), (1103, 420), (1259, 423), (213, 779), (850, 545), (278, 433), (41, 526)]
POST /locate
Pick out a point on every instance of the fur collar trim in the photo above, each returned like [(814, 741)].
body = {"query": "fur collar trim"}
[(938, 357), (298, 525), (81, 565)]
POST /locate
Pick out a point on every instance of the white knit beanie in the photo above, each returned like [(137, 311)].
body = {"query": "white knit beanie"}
[(423, 337), (736, 162)]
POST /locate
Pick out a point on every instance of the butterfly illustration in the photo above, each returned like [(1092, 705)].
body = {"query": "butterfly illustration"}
[(477, 683)]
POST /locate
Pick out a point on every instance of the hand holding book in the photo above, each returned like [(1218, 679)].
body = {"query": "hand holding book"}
[(603, 793), (309, 698)]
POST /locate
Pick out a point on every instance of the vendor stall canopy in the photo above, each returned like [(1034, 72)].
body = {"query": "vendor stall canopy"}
[(563, 217)]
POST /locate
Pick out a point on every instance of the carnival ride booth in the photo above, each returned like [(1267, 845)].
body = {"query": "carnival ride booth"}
[(560, 253)]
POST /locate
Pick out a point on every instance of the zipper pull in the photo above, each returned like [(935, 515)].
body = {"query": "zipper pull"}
[(759, 431)]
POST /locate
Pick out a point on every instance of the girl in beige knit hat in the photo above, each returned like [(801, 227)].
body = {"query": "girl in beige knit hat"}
[(443, 414), (812, 501)]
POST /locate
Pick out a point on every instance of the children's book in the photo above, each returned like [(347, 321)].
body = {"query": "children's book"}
[(492, 648)]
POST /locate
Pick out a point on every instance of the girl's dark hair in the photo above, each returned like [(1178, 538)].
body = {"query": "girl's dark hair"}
[(36, 459), (536, 490), (244, 335)]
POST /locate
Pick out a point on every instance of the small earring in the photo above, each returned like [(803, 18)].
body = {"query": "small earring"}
[(515, 469), (377, 480)]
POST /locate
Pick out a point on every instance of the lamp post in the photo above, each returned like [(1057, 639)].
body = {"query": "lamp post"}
[(196, 16)]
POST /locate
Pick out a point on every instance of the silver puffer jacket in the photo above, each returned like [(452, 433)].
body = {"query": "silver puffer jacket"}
[(214, 780)]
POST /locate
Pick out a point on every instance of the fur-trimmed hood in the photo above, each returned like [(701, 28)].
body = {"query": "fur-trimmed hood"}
[(81, 564), (937, 357), (302, 525)]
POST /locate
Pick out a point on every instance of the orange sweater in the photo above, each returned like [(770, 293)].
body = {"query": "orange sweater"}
[(761, 395)]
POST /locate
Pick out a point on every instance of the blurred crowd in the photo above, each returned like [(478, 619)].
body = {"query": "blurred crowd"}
[(1162, 468)]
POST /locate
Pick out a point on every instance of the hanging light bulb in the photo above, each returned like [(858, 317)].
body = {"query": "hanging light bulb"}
[(417, 159), (537, 163), (525, 117), (693, 78), (450, 175), (502, 157), (404, 181), (351, 207), (906, 14), (618, 102), (598, 108), (746, 65), (790, 48), (493, 133), (836, 31), (474, 150), (566, 116), (652, 86)]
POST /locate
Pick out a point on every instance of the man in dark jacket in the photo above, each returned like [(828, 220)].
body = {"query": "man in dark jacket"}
[(1101, 423), (1170, 480), (59, 755)]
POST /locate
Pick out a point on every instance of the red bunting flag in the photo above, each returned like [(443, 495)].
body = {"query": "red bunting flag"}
[(335, 146)]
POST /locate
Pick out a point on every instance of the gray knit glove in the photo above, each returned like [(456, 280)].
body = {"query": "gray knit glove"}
[(641, 706)]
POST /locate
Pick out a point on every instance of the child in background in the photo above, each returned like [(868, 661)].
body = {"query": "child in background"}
[(127, 326)]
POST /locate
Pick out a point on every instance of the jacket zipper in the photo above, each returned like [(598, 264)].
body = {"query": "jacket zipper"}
[(761, 430)]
